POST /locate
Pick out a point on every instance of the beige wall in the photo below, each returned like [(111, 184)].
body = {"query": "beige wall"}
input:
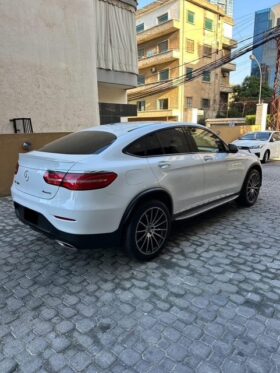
[(229, 134), (112, 94), (11, 146), (48, 64)]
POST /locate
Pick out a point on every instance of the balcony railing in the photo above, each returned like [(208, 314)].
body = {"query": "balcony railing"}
[(226, 88), (158, 30), (229, 67), (229, 43), (158, 113), (159, 58)]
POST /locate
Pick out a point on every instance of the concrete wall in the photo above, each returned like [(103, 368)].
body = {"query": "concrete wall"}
[(112, 94), (11, 146), (48, 64), (150, 19), (229, 134)]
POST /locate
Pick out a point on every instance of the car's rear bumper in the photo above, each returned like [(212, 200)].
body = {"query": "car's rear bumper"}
[(39, 223)]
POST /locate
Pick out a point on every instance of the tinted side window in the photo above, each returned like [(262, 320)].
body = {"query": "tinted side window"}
[(207, 142), (85, 142), (276, 136), (173, 141), (147, 145)]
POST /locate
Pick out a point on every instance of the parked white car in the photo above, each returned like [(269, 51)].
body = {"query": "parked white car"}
[(125, 183), (265, 145)]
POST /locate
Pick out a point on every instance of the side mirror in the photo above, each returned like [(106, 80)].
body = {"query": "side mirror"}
[(271, 140), (232, 148)]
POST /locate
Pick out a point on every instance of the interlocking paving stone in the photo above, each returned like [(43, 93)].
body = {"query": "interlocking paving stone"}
[(209, 303)]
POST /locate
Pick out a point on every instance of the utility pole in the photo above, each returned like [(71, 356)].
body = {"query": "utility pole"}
[(275, 110)]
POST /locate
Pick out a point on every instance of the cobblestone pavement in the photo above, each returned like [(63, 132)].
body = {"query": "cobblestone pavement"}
[(210, 303)]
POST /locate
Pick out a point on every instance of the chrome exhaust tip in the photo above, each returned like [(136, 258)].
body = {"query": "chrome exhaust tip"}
[(65, 245)]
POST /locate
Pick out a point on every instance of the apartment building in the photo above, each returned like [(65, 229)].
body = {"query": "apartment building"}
[(226, 5), (66, 64), (174, 39), (266, 54)]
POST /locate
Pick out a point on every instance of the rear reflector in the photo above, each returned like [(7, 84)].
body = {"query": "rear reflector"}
[(79, 181), (63, 218)]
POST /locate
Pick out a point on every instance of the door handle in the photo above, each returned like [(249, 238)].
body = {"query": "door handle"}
[(163, 164), (208, 158)]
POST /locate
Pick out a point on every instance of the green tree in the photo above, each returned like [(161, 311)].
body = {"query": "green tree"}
[(246, 95), (249, 90)]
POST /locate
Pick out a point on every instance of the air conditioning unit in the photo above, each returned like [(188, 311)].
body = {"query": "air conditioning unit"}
[(153, 69), (225, 74)]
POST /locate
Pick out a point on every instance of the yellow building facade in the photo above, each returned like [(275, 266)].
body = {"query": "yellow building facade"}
[(175, 38)]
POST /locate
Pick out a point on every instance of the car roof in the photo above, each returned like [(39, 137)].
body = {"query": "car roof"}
[(120, 129)]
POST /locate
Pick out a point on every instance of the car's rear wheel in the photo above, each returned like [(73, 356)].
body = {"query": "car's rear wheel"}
[(148, 230), (251, 188), (266, 156)]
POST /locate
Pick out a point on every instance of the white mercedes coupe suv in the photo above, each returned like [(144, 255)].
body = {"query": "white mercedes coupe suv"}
[(124, 184)]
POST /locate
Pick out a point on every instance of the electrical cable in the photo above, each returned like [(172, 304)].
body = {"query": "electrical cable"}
[(271, 34)]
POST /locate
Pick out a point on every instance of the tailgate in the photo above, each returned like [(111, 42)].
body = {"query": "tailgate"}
[(32, 167)]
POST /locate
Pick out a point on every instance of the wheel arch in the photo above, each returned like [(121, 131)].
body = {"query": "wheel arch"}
[(155, 193), (253, 166)]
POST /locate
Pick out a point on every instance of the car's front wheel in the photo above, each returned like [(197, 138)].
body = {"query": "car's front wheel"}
[(148, 230), (251, 188)]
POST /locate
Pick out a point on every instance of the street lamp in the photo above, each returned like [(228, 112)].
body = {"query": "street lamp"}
[(254, 58)]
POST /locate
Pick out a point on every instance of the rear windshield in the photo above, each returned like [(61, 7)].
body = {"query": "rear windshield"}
[(85, 142)]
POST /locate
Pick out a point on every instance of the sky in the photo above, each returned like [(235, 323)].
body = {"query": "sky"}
[(244, 12)]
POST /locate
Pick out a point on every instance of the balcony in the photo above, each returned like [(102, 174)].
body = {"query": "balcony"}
[(226, 88), (229, 67), (158, 113), (158, 31), (159, 58), (229, 43)]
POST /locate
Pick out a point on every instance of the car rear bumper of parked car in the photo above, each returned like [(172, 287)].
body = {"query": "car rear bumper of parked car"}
[(40, 224)]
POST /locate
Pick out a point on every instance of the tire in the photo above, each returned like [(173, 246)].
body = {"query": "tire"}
[(148, 230), (250, 189), (266, 156)]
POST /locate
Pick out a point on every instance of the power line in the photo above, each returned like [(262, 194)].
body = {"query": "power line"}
[(271, 34), (216, 51), (157, 84)]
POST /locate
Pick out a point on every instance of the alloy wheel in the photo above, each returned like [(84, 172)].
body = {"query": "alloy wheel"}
[(151, 230), (253, 186)]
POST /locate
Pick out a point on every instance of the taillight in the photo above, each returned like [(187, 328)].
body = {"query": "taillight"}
[(79, 181), (54, 178), (16, 169)]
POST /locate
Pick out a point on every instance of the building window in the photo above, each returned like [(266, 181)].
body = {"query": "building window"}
[(163, 104), (190, 17), (163, 18), (164, 75), (205, 103), (189, 102), (189, 73), (189, 46), (208, 24), (163, 46), (151, 53), (141, 105), (140, 28), (206, 77), (141, 79), (141, 53), (207, 51)]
